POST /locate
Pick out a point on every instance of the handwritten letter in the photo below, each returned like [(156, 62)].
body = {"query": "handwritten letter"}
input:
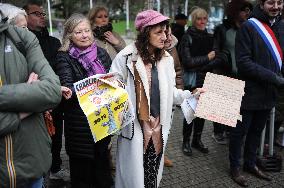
[(222, 100)]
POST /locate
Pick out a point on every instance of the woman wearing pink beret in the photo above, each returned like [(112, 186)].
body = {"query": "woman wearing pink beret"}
[(149, 76)]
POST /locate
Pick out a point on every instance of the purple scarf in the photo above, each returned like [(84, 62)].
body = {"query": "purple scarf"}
[(88, 59)]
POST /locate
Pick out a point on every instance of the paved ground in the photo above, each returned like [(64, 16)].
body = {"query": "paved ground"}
[(200, 170)]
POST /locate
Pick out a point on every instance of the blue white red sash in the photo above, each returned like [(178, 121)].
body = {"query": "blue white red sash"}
[(270, 40)]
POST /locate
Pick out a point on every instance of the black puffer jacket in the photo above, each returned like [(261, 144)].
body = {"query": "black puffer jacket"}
[(256, 65), (79, 140), (193, 52)]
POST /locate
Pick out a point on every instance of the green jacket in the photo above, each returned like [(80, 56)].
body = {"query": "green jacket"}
[(24, 144)]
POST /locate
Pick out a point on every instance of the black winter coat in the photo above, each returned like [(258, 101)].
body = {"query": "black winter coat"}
[(222, 64), (256, 65), (178, 31), (78, 137), (48, 44), (193, 52)]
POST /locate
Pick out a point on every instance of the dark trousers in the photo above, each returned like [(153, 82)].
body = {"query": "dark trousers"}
[(56, 146), (219, 128), (197, 125), (92, 172), (253, 122)]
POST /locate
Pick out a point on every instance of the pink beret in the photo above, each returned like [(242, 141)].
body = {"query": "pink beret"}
[(147, 18)]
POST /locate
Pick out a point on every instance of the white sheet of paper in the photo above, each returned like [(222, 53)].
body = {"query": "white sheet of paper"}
[(222, 100), (188, 107)]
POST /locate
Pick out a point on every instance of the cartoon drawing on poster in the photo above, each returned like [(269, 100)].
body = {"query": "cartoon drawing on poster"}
[(105, 104)]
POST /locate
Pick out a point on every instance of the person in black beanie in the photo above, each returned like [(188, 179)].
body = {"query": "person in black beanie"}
[(178, 28)]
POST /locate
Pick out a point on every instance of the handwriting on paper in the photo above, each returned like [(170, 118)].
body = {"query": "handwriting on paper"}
[(222, 100)]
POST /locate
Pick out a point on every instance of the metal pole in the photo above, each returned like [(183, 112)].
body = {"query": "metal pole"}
[(271, 131), (158, 5), (185, 7), (262, 142), (49, 17), (127, 14), (91, 4)]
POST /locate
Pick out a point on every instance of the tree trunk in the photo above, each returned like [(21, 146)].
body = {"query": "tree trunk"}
[(150, 4), (170, 4)]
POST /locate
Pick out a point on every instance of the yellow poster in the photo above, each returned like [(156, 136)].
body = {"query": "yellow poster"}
[(105, 104)]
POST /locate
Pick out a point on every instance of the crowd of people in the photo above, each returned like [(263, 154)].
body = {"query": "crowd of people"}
[(163, 66)]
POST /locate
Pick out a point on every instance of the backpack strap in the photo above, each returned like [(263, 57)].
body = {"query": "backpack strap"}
[(15, 38)]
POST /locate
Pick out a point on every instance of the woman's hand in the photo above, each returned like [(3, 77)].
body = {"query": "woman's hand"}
[(197, 92), (32, 78), (211, 55), (23, 115), (66, 92), (111, 38)]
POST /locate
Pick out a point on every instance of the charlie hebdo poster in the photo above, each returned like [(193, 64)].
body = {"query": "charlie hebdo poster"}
[(105, 104)]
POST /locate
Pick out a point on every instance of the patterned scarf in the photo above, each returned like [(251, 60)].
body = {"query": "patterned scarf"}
[(88, 59)]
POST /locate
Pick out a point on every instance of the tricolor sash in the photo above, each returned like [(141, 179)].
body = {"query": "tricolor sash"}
[(270, 40)]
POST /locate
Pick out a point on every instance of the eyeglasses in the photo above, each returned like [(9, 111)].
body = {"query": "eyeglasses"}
[(38, 14), (80, 33), (246, 10)]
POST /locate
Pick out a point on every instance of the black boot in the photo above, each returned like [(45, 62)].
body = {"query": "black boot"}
[(196, 141), (186, 148), (187, 129), (197, 144)]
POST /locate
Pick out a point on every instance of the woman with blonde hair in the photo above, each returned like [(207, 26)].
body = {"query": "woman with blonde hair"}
[(79, 57), (105, 37), (195, 52), (15, 15)]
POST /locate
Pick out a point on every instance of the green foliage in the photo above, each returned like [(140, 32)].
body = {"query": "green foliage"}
[(120, 27)]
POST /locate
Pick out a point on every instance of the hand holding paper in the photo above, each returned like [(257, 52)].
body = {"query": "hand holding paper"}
[(189, 105)]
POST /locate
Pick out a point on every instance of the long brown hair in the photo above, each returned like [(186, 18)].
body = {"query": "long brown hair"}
[(143, 41)]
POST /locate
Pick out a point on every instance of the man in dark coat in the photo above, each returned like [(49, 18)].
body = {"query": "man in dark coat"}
[(49, 45), (257, 67)]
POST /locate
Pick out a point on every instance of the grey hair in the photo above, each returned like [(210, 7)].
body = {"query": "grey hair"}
[(69, 26), (11, 12)]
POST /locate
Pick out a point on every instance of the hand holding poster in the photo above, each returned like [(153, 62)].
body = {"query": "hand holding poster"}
[(222, 100), (104, 103)]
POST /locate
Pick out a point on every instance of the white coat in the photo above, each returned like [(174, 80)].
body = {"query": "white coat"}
[(129, 157)]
